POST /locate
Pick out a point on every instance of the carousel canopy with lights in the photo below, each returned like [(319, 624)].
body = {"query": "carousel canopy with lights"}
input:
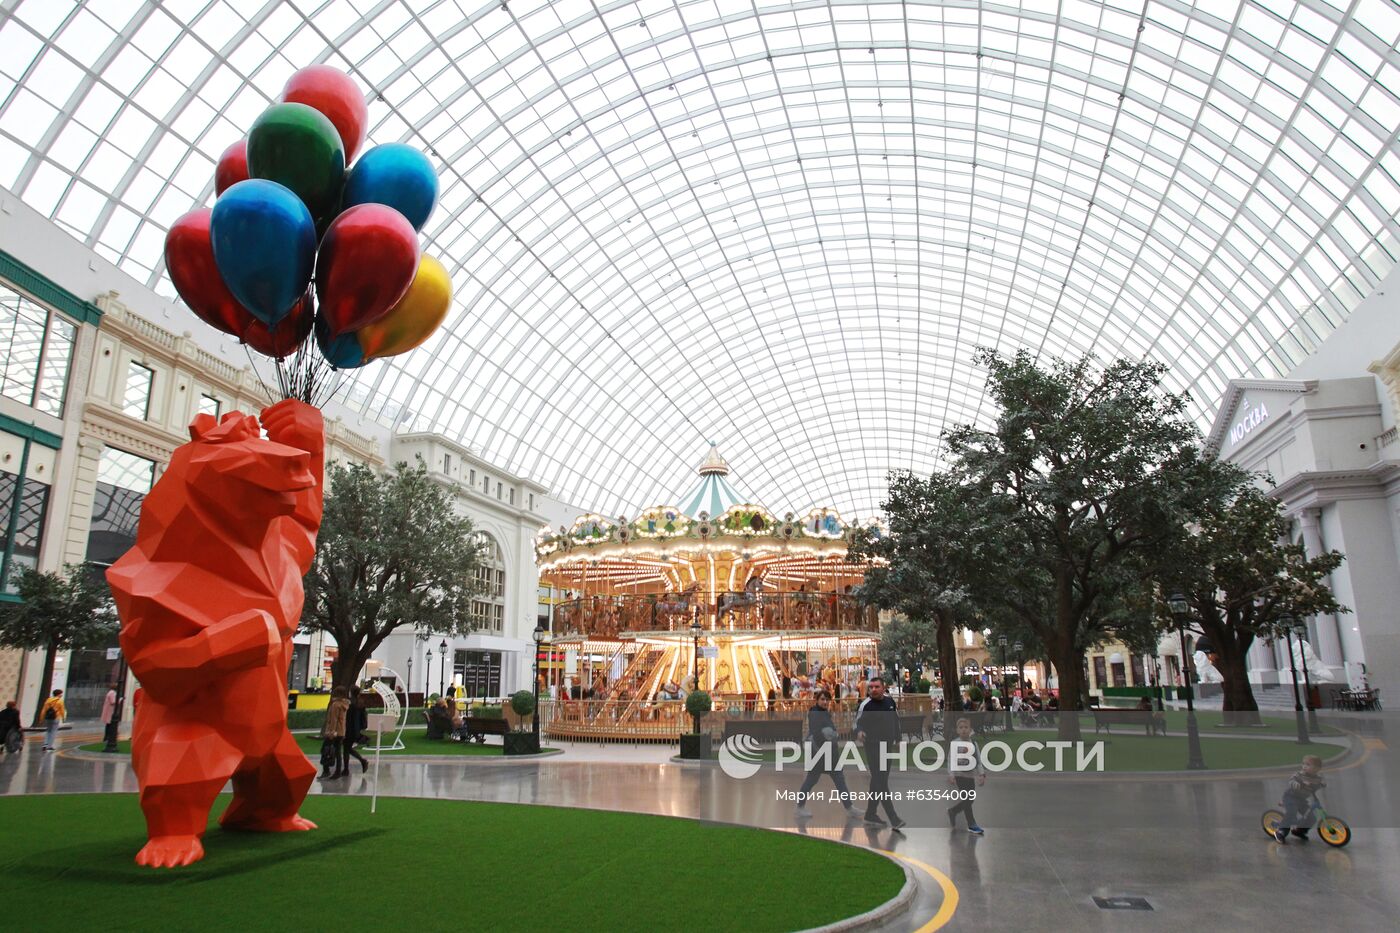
[(715, 521), (739, 568)]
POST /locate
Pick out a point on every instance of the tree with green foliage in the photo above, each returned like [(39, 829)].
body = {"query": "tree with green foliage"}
[(920, 568), (1242, 576), (57, 612), (392, 553), (1086, 469), (908, 644)]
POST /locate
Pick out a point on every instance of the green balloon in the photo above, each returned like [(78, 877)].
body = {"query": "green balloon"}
[(298, 146)]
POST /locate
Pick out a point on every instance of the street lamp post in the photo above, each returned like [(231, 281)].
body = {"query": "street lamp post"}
[(442, 668), (541, 639), (427, 672), (1005, 695), (1307, 681), (695, 630), (1180, 609), (1157, 678), (1287, 623), (409, 689), (1020, 650)]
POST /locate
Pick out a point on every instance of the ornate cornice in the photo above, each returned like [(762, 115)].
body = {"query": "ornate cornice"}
[(1314, 489)]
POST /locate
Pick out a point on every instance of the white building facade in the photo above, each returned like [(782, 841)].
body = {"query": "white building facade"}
[(1325, 443), (496, 658)]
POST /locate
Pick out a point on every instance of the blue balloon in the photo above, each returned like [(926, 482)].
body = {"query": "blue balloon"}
[(264, 243), (342, 352), (397, 175)]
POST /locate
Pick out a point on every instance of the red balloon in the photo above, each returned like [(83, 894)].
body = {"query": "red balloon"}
[(336, 95), (289, 334), (190, 261), (232, 167), (367, 261)]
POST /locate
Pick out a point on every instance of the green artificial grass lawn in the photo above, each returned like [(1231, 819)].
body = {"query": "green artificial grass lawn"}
[(1213, 720), (415, 743), (428, 865)]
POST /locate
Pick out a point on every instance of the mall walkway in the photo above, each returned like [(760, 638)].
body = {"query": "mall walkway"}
[(1192, 848)]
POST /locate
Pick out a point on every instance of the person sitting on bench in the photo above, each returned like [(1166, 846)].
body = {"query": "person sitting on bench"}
[(1157, 722)]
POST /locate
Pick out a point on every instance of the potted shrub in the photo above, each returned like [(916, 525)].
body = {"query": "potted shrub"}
[(696, 744), (522, 741)]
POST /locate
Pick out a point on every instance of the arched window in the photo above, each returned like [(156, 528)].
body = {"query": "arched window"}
[(489, 607)]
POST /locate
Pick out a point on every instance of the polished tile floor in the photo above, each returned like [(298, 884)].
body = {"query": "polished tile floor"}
[(1192, 848)]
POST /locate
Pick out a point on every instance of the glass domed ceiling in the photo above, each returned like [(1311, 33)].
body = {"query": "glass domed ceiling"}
[(784, 226)]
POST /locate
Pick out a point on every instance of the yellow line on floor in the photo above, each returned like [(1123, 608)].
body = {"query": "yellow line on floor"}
[(950, 893), (1374, 744)]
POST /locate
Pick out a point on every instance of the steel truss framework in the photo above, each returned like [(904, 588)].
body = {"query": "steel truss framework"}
[(785, 226)]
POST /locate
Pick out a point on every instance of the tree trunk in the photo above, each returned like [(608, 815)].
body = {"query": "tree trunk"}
[(347, 664), (1068, 661), (948, 667), (1232, 651), (1238, 695), (1069, 668), (45, 681)]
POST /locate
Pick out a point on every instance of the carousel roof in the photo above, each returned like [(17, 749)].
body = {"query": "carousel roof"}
[(714, 494)]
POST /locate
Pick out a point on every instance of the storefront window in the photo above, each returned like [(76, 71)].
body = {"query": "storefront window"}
[(479, 672), (123, 479), (23, 548), (36, 348)]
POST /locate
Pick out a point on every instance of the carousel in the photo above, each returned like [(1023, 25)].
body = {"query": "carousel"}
[(717, 591)]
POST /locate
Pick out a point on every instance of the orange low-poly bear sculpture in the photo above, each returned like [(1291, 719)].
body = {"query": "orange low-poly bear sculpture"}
[(209, 597)]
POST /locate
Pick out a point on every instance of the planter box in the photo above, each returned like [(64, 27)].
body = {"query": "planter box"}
[(695, 745), (521, 743)]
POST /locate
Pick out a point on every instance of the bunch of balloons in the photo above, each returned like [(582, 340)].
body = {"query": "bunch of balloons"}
[(301, 240)]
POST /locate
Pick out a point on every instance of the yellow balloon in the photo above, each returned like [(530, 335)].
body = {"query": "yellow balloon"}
[(413, 320)]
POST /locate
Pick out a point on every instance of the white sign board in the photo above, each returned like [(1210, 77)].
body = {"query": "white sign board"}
[(383, 722), (113, 654), (709, 651)]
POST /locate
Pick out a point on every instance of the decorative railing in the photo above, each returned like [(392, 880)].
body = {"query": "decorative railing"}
[(610, 616), (665, 720)]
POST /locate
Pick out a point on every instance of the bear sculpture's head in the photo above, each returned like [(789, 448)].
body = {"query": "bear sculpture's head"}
[(232, 467)]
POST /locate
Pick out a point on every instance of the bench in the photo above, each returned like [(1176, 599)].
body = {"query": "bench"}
[(765, 731), (915, 724), (1105, 718), (479, 727)]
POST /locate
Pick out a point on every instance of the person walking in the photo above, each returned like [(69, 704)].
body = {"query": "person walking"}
[(356, 722), (877, 728), (821, 740), (966, 773), (52, 715), (333, 733)]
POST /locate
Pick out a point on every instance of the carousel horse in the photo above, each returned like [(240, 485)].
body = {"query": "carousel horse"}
[(749, 598), (677, 604)]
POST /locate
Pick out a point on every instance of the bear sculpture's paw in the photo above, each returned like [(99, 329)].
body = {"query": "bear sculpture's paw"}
[(286, 824), (170, 852)]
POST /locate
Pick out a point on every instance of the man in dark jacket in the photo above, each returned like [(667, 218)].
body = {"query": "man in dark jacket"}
[(877, 728), (9, 722)]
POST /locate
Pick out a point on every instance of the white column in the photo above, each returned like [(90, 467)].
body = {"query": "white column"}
[(1261, 662), (1329, 643)]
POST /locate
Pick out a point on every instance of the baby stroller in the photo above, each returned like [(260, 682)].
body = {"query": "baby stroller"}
[(14, 741)]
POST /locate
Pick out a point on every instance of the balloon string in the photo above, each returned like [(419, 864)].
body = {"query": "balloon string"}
[(258, 375)]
